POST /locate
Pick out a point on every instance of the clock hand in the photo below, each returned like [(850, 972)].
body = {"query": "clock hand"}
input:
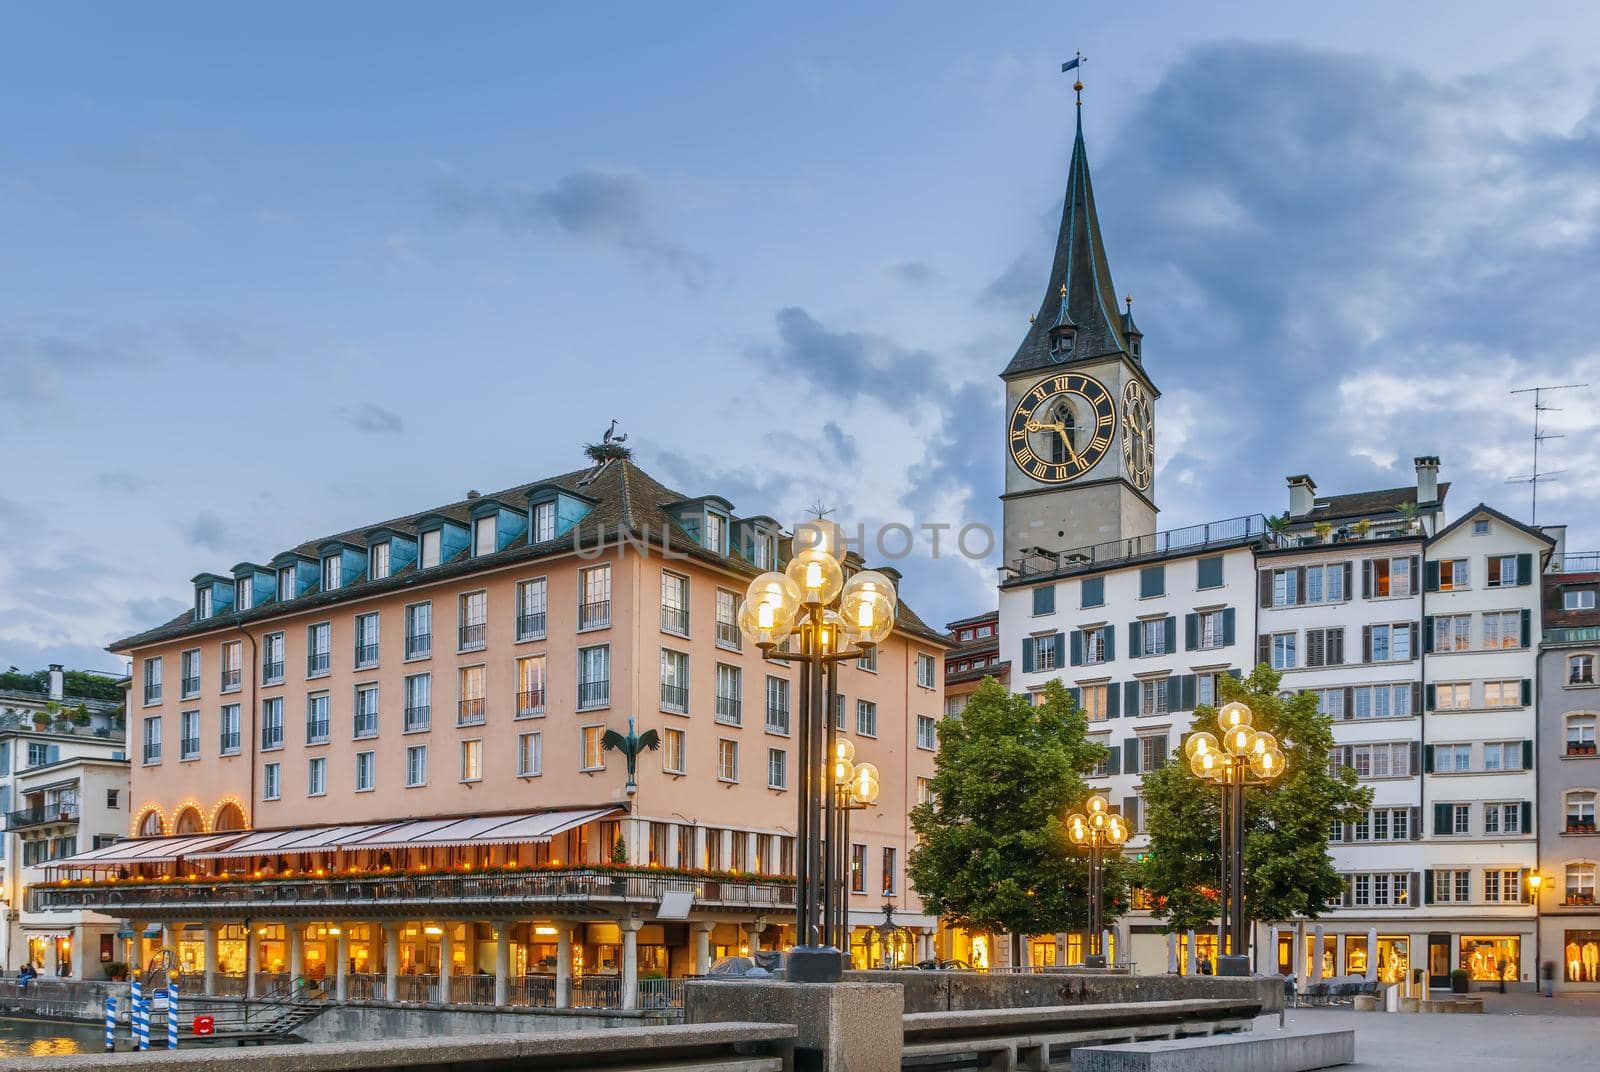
[(1066, 441)]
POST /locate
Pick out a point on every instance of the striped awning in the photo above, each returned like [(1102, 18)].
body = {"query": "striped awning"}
[(480, 830), (302, 839), (145, 851)]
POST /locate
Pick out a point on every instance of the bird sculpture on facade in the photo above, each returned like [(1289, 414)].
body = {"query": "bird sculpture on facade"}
[(631, 747)]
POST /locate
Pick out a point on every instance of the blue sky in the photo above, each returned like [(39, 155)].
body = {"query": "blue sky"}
[(267, 274)]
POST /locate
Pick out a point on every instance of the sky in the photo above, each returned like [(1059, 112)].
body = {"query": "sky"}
[(270, 272)]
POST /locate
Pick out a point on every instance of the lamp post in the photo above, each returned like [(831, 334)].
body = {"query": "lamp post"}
[(833, 619), (1244, 757), (855, 787), (1535, 884), (1096, 832)]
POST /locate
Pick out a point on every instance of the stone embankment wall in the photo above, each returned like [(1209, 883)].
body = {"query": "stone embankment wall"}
[(934, 991), (363, 1020)]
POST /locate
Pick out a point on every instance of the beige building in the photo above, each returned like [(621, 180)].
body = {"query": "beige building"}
[(380, 758)]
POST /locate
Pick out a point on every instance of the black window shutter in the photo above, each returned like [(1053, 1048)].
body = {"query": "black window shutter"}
[(1416, 758), (1527, 817), (1366, 643), (1170, 628), (1227, 625), (1135, 641), (1299, 585), (1191, 632), (1113, 701), (1349, 574), (1349, 702), (1527, 755), (1077, 696), (1027, 655), (1416, 636), (1527, 692), (1416, 822), (1075, 649), (1427, 634), (1190, 692), (1130, 756), (1264, 587), (1427, 887), (1130, 699), (1527, 628), (1416, 571), (1430, 577), (1235, 673), (1427, 756), (1366, 578), (1111, 642), (1263, 649), (1313, 647), (1427, 697), (1114, 761), (1416, 697), (1524, 569), (1441, 818)]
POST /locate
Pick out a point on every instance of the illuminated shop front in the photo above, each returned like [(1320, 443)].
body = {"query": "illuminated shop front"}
[(51, 954), (1205, 951), (1394, 958), (1580, 956), (1329, 955), (1042, 950), (1491, 958)]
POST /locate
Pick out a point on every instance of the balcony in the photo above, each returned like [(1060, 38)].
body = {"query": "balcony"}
[(152, 753), (231, 680), (675, 697), (272, 673), (418, 718), (419, 646), (316, 663), (317, 731), (1234, 532), (592, 694), (530, 626), (730, 710), (473, 637), (473, 712), (565, 890), (675, 620), (366, 654), (190, 687), (64, 812), (728, 635), (152, 693), (530, 703), (1578, 562), (596, 615), (229, 744), (1580, 748)]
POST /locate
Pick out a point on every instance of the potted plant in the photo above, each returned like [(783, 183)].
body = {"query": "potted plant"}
[(80, 715), (41, 720), (117, 971), (1323, 529), (1458, 981), (1278, 525), (619, 858), (1361, 528), (1408, 511)]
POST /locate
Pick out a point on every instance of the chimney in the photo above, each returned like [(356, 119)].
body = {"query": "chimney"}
[(58, 681), (1302, 495), (1427, 479), (1558, 533)]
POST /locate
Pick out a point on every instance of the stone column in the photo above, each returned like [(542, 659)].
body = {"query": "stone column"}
[(391, 961), (297, 956), (754, 931), (630, 963), (699, 847), (1172, 954), (1316, 955), (135, 948), (211, 959), (169, 940), (446, 950), (341, 971), (252, 956), (502, 963), (1189, 954), (701, 929), (1272, 947), (1372, 954), (563, 965)]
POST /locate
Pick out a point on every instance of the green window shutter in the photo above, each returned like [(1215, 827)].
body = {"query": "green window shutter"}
[(1227, 626), (1427, 756), (1027, 655), (1441, 820), (1191, 632), (1527, 755), (1209, 573), (1527, 692), (1152, 581), (1130, 699), (1130, 813), (1170, 628), (1427, 887), (1430, 577), (1061, 646), (1189, 692), (1427, 634), (1076, 650), (1114, 763), (1235, 673), (1111, 642), (1077, 697), (1524, 569), (1527, 628), (1527, 817), (1093, 592), (1174, 692), (1113, 701), (1130, 756), (1135, 640), (1427, 698)]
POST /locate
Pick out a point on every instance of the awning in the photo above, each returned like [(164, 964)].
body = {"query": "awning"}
[(304, 839), (145, 851), (480, 830)]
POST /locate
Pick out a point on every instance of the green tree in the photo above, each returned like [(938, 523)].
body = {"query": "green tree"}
[(1288, 872), (993, 854)]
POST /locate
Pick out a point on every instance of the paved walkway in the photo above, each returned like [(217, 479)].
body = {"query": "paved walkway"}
[(1561, 1030)]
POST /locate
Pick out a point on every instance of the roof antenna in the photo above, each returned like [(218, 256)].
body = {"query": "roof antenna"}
[(1540, 406)]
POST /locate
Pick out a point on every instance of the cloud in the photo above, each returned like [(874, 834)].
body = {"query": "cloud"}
[(371, 417), (120, 480), (842, 443), (154, 610), (603, 208), (914, 273), (207, 530), (1020, 284), (848, 364)]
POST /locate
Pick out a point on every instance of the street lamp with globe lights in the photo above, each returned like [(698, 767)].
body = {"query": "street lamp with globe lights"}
[(1244, 756), (855, 788), (834, 619), (1096, 832)]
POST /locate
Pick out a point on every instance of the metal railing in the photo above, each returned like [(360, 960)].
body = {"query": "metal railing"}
[(593, 694), (660, 993), (530, 702), (189, 687), (674, 697), (271, 673), (317, 662), (152, 753), (594, 615), (49, 813), (366, 654), (402, 892), (1234, 530), (365, 724), (232, 679), (473, 636), (530, 625), (419, 645), (228, 742), (597, 992), (1578, 562), (675, 619), (730, 710), (152, 693), (728, 635), (474, 712), (418, 718), (317, 731), (189, 748), (778, 719), (272, 736)]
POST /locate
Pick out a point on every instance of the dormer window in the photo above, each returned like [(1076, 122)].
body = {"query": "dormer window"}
[(379, 569), (1134, 346), (544, 522), (1061, 342), (431, 542), (761, 549), (244, 593), (332, 572), (202, 602), (483, 535), (286, 584), (713, 532)]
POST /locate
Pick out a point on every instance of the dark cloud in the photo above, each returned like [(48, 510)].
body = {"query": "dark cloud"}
[(605, 208), (914, 273), (1021, 283), (207, 530), (752, 491), (153, 611), (964, 459), (371, 417), (120, 480), (848, 364), (843, 444)]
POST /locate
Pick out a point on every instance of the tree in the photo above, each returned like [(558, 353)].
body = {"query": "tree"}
[(1288, 872), (993, 854)]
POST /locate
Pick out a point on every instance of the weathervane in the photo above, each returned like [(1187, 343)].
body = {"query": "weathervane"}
[(1077, 85)]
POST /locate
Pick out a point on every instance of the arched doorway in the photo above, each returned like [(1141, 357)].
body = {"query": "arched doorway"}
[(229, 817), (188, 821)]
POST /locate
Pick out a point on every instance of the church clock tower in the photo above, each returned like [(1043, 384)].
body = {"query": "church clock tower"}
[(1080, 409)]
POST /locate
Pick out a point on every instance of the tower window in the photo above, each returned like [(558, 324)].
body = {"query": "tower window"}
[(1133, 346), (1061, 413)]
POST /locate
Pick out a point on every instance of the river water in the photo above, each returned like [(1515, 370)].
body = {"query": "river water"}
[(41, 1038)]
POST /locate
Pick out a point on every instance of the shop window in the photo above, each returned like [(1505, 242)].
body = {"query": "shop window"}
[(1580, 953), (1491, 958)]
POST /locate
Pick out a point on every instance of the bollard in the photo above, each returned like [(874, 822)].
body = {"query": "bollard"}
[(111, 1025), (172, 1015), (139, 1017)]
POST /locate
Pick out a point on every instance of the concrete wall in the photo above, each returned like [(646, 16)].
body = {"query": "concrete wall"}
[(356, 1023), (957, 991), (61, 999)]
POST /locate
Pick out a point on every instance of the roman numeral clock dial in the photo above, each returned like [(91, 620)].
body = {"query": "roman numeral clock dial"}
[(1138, 435), (1062, 427)]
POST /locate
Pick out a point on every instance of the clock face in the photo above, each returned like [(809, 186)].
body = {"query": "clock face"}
[(1062, 427), (1138, 435)]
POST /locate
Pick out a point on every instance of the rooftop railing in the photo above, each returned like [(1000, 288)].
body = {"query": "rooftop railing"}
[(43, 815), (1232, 532), (1577, 562)]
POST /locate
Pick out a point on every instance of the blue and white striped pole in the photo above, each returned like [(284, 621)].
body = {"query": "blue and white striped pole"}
[(172, 1015), (111, 1025), (139, 1018)]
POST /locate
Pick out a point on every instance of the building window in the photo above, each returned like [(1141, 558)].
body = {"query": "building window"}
[(1455, 575), (1578, 599), (1580, 735), (890, 872), (484, 535), (419, 702), (1502, 755), (675, 603), (730, 690), (866, 718), (1502, 572), (1391, 577), (925, 670), (594, 597), (419, 630), (152, 680), (272, 659), (232, 666), (1212, 630), (152, 739), (244, 593), (1208, 572), (544, 522), (1580, 887), (1502, 886), (416, 765), (319, 646), (366, 771), (271, 781), (1283, 651), (1153, 752), (1452, 887), (1503, 818), (1580, 811), (473, 621), (228, 742), (1502, 629), (202, 603), (777, 705), (594, 677), (531, 609), (728, 620), (1448, 758), (1502, 694), (1325, 584), (858, 869), (272, 723), (674, 681), (473, 703), (332, 572), (1391, 642), (530, 686), (189, 675), (317, 718), (593, 756), (317, 777), (366, 640), (286, 579), (189, 735), (1452, 696), (672, 751), (1046, 652), (727, 760), (432, 553), (1092, 698), (868, 660), (1154, 696), (1285, 588), (378, 556), (927, 732), (1580, 669), (1094, 643), (366, 712), (1153, 637), (777, 768), (472, 760), (530, 754), (1480, 526), (1452, 632), (1044, 600)]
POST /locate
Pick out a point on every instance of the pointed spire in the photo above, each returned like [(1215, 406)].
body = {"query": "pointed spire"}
[(1080, 292)]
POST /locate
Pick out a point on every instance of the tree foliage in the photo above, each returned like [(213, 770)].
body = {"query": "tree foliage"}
[(1288, 872), (81, 683), (993, 854)]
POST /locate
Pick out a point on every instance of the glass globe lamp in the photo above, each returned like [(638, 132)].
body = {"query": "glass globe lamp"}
[(1234, 714), (1267, 765), (864, 783), (820, 534), (1206, 764), (818, 576), (868, 604), (1096, 804), (1199, 744), (1237, 740), (1077, 828)]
